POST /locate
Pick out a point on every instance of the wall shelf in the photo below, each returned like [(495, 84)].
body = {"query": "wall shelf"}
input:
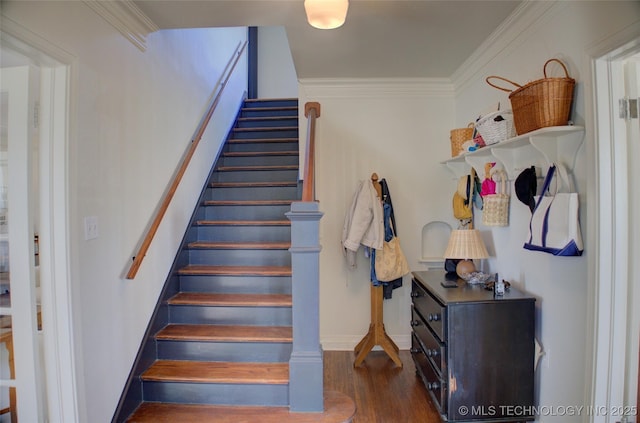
[(556, 144)]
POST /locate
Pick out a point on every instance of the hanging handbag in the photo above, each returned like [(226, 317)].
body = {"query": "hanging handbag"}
[(391, 262), (555, 226), (496, 206), (461, 202)]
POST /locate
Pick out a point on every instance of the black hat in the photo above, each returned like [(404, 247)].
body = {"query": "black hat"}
[(526, 186)]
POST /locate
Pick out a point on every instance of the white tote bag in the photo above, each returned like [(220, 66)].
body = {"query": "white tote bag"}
[(555, 225)]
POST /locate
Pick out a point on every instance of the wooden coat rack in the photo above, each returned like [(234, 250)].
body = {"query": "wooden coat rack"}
[(377, 334)]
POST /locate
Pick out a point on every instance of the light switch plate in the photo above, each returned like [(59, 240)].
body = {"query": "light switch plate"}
[(90, 227)]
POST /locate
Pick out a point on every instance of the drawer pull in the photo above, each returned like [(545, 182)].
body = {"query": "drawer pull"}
[(414, 350), (432, 386), (434, 317), (415, 294), (432, 353), (415, 323)]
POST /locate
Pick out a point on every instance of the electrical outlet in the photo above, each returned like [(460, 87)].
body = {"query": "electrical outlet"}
[(90, 227)]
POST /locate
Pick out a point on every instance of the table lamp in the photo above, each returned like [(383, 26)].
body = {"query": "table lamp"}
[(465, 244)]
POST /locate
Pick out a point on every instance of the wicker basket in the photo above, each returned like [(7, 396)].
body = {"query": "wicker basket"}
[(542, 103), (495, 208), (496, 127), (458, 137)]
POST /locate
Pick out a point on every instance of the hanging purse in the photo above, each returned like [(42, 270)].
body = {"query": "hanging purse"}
[(555, 226), (391, 262), (496, 205)]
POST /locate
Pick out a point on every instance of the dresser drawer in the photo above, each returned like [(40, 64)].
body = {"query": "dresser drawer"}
[(435, 385), (434, 349), (430, 309)]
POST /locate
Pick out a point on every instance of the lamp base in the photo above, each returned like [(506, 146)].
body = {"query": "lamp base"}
[(465, 267)]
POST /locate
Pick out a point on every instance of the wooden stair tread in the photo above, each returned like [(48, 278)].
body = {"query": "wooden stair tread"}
[(231, 300), (265, 118), (260, 153), (225, 333), (248, 202), (243, 222), (266, 129), (268, 108), (258, 167), (217, 372), (252, 184), (211, 245), (198, 269), (262, 140), (338, 408)]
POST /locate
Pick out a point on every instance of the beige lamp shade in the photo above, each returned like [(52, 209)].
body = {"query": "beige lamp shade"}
[(326, 14), (465, 244)]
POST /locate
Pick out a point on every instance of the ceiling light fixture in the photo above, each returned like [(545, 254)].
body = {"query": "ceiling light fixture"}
[(326, 14)]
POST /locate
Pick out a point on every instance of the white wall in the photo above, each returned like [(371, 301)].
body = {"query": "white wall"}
[(565, 30), (276, 71), (133, 115), (398, 129)]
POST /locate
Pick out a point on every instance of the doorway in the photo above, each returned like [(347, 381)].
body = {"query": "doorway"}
[(52, 356), (617, 272)]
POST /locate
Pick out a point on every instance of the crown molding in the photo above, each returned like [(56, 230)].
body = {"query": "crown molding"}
[(376, 87), (127, 18), (520, 24)]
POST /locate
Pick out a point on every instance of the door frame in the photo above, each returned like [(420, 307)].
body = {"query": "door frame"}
[(58, 70), (608, 219)]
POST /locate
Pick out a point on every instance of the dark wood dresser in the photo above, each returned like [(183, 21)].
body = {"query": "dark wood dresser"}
[(474, 352)]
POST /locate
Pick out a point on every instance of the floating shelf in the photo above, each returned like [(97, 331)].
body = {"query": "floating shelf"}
[(556, 144)]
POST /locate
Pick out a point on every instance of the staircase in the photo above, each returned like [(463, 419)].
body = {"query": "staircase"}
[(222, 334)]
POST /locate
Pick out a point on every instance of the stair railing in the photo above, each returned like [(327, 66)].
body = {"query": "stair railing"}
[(306, 389), (311, 112), (175, 182)]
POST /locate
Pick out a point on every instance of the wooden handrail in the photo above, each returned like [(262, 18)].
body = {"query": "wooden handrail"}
[(153, 228), (311, 112)]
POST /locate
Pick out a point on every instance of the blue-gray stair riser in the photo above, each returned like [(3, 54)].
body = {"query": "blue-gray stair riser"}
[(241, 257), (245, 233), (272, 160), (267, 123), (250, 352), (259, 316), (222, 394), (236, 284), (257, 112), (288, 145), (255, 175), (275, 133), (247, 212), (253, 193), (270, 103)]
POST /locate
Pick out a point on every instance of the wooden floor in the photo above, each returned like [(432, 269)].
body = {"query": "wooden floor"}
[(382, 392)]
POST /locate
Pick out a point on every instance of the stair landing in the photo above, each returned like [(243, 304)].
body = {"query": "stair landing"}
[(338, 408)]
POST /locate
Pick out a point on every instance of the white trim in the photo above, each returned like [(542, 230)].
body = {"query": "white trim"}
[(375, 87), (519, 25), (25, 41), (127, 18), (609, 216), (59, 340)]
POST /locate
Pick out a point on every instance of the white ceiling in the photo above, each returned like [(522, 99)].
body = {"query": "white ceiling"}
[(380, 39)]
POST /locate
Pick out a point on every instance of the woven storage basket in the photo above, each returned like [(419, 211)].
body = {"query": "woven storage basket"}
[(542, 103), (458, 137), (496, 127), (495, 209)]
